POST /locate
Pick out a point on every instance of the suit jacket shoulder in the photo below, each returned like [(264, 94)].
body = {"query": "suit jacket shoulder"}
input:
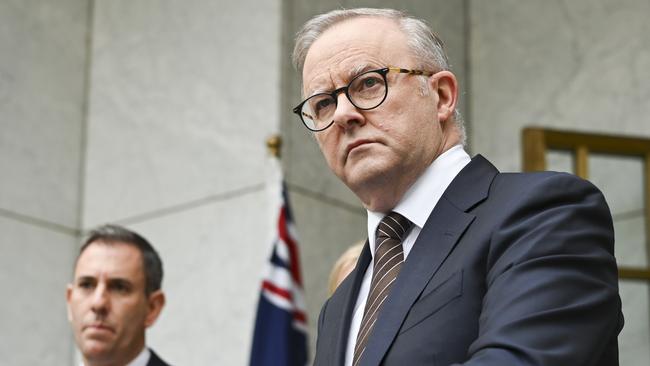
[(509, 269), (154, 360)]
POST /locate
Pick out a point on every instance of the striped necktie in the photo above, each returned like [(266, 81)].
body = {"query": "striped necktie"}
[(388, 260)]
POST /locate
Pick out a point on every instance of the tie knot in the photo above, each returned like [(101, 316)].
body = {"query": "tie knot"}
[(393, 226)]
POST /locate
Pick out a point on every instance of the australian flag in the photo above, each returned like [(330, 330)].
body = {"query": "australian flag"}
[(280, 337)]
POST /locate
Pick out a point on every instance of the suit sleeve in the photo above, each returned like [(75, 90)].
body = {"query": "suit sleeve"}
[(552, 283), (320, 350)]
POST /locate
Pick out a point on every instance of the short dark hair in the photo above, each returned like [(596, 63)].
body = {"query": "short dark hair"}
[(151, 262)]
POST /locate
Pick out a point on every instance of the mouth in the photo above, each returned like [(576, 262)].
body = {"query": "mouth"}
[(356, 144), (99, 327)]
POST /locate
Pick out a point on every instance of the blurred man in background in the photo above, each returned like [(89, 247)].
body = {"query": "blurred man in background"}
[(116, 294)]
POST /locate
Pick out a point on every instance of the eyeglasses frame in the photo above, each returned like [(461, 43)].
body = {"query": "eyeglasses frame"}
[(345, 89)]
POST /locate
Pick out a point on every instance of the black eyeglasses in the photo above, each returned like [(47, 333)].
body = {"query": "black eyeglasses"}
[(365, 91)]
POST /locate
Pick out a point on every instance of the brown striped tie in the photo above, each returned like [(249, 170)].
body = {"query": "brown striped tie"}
[(388, 260)]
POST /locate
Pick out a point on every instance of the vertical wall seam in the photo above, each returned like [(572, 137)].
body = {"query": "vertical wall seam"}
[(287, 22), (467, 65), (85, 112), (83, 143)]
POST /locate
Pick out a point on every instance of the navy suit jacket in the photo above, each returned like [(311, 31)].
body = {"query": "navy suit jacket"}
[(154, 360), (509, 269)]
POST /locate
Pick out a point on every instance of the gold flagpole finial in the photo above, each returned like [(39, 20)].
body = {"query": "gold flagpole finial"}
[(274, 144)]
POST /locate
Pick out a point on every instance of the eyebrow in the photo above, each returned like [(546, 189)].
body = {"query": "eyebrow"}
[(352, 73), (85, 278), (121, 281), (359, 69), (111, 280)]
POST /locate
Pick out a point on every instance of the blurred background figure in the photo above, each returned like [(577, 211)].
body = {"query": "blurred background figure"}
[(114, 297), (343, 266)]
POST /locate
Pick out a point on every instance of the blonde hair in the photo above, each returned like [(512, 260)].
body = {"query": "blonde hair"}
[(343, 266)]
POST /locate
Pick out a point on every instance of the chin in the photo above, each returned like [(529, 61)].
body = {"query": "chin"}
[(360, 182), (95, 350)]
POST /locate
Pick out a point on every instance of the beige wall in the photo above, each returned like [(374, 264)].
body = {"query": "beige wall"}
[(151, 114), (183, 96), (579, 65), (42, 80)]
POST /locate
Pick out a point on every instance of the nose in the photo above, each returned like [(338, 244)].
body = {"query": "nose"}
[(100, 301), (346, 114)]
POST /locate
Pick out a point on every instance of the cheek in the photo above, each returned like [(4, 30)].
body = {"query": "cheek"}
[(77, 308), (328, 145), (76, 313), (129, 311), (393, 120), (132, 319)]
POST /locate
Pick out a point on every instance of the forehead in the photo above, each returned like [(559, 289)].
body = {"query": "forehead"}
[(351, 46), (113, 259)]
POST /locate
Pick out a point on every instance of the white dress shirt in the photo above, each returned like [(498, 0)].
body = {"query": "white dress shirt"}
[(141, 360), (416, 205)]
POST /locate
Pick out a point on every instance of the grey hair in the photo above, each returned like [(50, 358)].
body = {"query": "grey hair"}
[(427, 47)]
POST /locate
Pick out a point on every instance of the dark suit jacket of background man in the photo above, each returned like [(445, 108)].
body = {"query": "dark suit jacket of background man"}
[(509, 269), (154, 360)]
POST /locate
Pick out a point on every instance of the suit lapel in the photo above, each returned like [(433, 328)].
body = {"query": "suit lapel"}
[(154, 360), (436, 241), (350, 299)]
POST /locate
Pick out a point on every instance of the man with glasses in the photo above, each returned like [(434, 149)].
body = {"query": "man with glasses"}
[(464, 264)]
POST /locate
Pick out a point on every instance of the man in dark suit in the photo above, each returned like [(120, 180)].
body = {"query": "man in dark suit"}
[(116, 294), (464, 264)]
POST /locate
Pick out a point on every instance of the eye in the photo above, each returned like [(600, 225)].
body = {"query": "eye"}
[(85, 285), (369, 82), (321, 105), (120, 287)]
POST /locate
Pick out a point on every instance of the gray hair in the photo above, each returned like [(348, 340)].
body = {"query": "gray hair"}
[(427, 47)]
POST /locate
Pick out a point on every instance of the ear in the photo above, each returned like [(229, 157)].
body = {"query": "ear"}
[(156, 302), (444, 83), (68, 295)]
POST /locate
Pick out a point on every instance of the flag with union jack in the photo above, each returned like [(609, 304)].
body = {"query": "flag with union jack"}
[(280, 336)]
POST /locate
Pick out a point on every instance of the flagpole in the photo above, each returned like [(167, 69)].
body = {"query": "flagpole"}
[(280, 335), (274, 178), (274, 144)]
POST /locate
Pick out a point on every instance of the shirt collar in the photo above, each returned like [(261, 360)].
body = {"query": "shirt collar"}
[(420, 199), (141, 360)]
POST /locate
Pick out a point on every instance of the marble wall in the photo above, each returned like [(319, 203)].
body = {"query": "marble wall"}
[(42, 88), (578, 65), (565, 64), (183, 96), (149, 114)]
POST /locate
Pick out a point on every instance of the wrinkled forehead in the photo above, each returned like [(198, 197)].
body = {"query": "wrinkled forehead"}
[(351, 47), (327, 79)]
